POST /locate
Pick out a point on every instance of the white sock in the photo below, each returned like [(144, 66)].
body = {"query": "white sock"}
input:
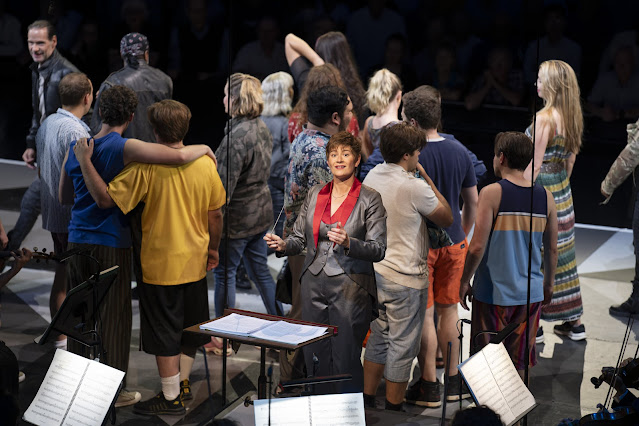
[(171, 387), (186, 365), (61, 344)]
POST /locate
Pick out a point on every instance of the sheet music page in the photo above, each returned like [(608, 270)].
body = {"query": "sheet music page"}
[(286, 332), (512, 387), (57, 390), (484, 387), (95, 395), (284, 412), (236, 324), (339, 410)]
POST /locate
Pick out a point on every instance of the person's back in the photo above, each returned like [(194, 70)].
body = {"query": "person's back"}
[(175, 234), (149, 84), (90, 224), (449, 166), (503, 272)]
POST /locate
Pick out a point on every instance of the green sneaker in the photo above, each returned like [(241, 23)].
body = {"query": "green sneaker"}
[(159, 405)]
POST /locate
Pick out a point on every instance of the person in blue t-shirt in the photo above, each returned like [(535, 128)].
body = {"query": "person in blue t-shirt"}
[(448, 164)]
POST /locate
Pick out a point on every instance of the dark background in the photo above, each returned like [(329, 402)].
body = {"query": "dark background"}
[(89, 34)]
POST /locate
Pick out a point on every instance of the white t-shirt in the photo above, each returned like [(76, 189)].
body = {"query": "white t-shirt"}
[(408, 200)]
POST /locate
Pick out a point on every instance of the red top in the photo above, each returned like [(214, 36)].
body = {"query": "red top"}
[(323, 207)]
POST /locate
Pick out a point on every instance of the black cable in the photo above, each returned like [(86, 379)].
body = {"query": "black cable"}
[(530, 232)]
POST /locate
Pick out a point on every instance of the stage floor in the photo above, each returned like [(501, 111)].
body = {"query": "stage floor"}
[(560, 382)]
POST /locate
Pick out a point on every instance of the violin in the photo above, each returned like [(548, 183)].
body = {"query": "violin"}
[(35, 254), (629, 374), (618, 416)]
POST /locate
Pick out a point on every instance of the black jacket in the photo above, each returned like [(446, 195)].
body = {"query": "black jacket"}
[(52, 70), (150, 84)]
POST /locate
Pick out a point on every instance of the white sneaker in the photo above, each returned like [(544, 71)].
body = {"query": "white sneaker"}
[(127, 398), (21, 377)]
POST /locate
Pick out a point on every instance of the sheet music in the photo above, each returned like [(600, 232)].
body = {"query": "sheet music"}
[(75, 391), (236, 324), (515, 392), (286, 332), (57, 390), (344, 409), (320, 410), (95, 395), (284, 412), (494, 382), (484, 386)]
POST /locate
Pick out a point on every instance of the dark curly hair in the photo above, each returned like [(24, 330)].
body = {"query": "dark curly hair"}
[(117, 104), (323, 102)]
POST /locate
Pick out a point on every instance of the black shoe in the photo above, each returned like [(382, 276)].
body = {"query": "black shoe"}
[(185, 390), (577, 332), (540, 335), (159, 405), (369, 401), (629, 307), (454, 383), (424, 394)]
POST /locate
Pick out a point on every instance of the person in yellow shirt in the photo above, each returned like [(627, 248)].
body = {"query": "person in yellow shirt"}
[(181, 229)]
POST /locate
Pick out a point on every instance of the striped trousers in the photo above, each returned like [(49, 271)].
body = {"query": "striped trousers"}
[(115, 309)]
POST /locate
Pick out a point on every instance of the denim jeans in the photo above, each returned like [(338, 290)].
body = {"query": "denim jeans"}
[(29, 212), (253, 251)]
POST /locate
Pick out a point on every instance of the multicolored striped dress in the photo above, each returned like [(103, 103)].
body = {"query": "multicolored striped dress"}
[(566, 302)]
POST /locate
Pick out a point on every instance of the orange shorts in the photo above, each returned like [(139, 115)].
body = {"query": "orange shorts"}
[(445, 268)]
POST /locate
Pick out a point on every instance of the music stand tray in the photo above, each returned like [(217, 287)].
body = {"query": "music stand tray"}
[(79, 307)]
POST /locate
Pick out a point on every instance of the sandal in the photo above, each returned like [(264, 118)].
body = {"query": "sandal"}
[(439, 362), (215, 346)]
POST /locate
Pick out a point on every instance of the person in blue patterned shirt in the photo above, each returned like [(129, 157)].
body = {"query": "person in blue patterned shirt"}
[(329, 111)]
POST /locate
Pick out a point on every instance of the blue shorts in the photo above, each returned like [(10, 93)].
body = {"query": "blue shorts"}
[(396, 333)]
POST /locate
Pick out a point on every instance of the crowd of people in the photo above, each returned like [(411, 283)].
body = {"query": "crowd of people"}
[(370, 187)]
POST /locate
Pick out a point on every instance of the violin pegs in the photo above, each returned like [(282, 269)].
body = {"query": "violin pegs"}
[(35, 249)]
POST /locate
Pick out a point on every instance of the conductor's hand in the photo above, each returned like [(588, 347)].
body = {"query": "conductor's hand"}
[(465, 291), (339, 236), (274, 242), (213, 260)]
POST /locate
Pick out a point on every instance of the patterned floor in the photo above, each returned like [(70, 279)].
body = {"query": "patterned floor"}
[(560, 382)]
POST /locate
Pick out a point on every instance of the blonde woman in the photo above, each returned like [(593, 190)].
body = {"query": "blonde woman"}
[(249, 211), (383, 97), (277, 92), (558, 129)]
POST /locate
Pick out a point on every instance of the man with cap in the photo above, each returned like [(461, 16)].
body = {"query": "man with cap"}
[(149, 84)]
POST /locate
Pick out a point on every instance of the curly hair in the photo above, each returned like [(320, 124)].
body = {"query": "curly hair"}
[(319, 76), (325, 101), (117, 104), (277, 90)]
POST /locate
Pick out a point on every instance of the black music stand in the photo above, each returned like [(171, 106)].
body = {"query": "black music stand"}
[(78, 311)]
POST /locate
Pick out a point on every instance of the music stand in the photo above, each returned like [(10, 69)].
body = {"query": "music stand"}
[(78, 311)]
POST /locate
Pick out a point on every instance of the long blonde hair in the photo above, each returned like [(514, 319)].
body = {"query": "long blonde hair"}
[(382, 88), (561, 92)]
